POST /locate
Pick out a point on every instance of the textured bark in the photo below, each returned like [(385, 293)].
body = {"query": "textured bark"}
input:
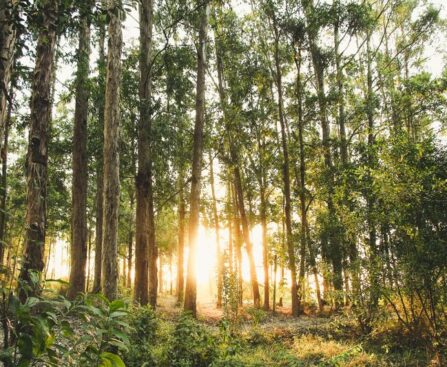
[(89, 259), (181, 240), (4, 179), (80, 164), (128, 275), (37, 158), (144, 215), (220, 259), (8, 9), (191, 281), (286, 179), (7, 43), (109, 271), (99, 166)]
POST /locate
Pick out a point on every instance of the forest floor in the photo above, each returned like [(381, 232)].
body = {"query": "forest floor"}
[(267, 339)]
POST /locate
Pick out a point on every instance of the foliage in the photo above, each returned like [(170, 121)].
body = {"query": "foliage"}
[(53, 331)]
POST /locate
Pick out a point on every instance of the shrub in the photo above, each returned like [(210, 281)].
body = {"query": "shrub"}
[(192, 345)]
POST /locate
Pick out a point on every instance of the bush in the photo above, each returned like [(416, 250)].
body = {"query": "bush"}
[(192, 345), (144, 326)]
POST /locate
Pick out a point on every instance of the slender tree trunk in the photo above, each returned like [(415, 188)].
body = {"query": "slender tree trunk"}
[(37, 158), (4, 179), (89, 257), (286, 180), (238, 243), (99, 164), (246, 236), (171, 283), (129, 259), (220, 259), (302, 180), (275, 271), (265, 257), (8, 33), (78, 256), (160, 275), (143, 179), (109, 274), (191, 281), (181, 240), (371, 199)]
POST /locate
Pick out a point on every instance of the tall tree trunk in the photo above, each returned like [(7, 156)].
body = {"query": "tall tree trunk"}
[(181, 240), (220, 259), (109, 274), (286, 178), (246, 235), (99, 163), (171, 283), (8, 33), (37, 158), (89, 259), (4, 179), (78, 254), (302, 183), (160, 275), (144, 159), (370, 197), (129, 259), (265, 257), (238, 243), (191, 281)]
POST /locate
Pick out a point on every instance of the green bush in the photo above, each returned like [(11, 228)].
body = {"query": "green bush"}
[(143, 337), (192, 344)]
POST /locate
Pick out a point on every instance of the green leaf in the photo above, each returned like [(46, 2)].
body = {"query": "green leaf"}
[(117, 305), (113, 360)]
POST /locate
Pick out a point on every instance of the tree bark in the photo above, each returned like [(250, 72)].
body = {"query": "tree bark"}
[(181, 240), (8, 34), (145, 251), (220, 259), (238, 243), (4, 179), (265, 257), (99, 164), (78, 256), (109, 276), (191, 281), (286, 179), (37, 158)]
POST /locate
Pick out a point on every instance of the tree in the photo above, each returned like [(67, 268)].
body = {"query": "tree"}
[(100, 95), (145, 245), (191, 285), (37, 157), (109, 274), (80, 160)]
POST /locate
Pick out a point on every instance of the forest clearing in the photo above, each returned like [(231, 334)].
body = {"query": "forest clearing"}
[(194, 183)]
